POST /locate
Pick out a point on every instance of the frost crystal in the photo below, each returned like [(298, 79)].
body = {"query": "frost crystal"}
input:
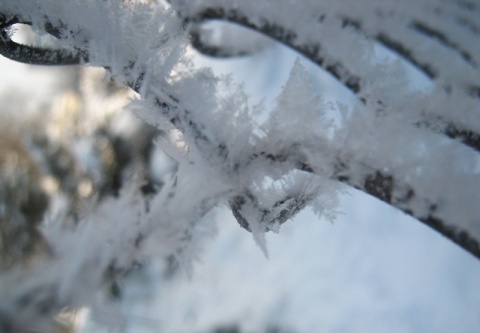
[(415, 149)]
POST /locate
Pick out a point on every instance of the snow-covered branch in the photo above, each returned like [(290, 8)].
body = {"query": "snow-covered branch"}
[(395, 146), (397, 28), (30, 54)]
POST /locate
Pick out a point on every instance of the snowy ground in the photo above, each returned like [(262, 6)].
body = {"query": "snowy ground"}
[(373, 270)]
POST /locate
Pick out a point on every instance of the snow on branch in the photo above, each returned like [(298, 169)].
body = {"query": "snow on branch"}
[(454, 67), (30, 54), (266, 171)]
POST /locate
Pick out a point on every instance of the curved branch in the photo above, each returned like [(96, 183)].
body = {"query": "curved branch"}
[(433, 33), (33, 55), (313, 51), (375, 182), (284, 36), (340, 71), (215, 51), (431, 67)]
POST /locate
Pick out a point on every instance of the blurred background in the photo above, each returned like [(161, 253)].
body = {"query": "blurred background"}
[(65, 138)]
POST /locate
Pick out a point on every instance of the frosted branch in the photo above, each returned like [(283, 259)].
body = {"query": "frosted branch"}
[(342, 71), (30, 54), (144, 48)]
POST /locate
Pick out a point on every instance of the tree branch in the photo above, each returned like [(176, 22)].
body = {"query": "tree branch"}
[(375, 182), (215, 51), (33, 55), (342, 72)]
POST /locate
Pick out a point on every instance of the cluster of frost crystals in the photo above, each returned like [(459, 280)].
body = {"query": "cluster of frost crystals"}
[(228, 156), (297, 128), (299, 112), (112, 237), (142, 46)]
